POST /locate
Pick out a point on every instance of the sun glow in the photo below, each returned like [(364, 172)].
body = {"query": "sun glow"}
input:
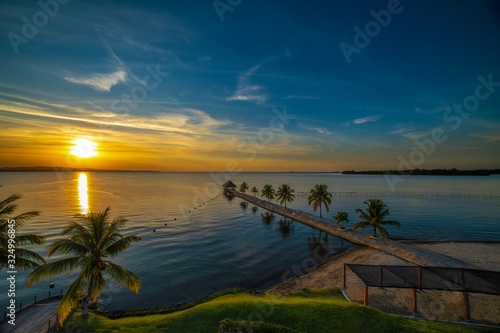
[(83, 148), (83, 194)]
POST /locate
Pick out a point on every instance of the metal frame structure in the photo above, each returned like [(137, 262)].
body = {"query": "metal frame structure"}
[(462, 280)]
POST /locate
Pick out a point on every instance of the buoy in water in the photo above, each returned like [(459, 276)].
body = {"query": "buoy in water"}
[(154, 230), (52, 285), (165, 224)]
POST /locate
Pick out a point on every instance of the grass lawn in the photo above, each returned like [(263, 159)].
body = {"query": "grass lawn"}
[(309, 311)]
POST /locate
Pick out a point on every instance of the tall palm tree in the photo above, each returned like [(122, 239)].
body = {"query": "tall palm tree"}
[(376, 212), (24, 259), (320, 196), (254, 190), (285, 194), (341, 217), (244, 187), (268, 192), (88, 242)]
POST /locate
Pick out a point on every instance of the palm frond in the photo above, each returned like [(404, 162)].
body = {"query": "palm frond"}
[(123, 276), (71, 297), (68, 246), (120, 245), (393, 223), (21, 218), (21, 263), (362, 224), (382, 232), (28, 254), (29, 239), (51, 269)]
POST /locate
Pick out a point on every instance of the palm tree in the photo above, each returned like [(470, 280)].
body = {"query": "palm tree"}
[(376, 212), (268, 192), (244, 187), (24, 259), (285, 194), (319, 196), (89, 242), (341, 217), (255, 190)]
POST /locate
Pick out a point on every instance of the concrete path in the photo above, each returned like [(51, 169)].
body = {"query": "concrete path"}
[(408, 252), (34, 318)]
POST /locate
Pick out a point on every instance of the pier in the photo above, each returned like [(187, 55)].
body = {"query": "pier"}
[(407, 252)]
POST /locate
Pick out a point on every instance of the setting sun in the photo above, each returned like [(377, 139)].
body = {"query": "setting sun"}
[(83, 148)]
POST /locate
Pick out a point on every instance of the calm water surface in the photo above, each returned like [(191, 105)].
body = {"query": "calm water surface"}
[(225, 243)]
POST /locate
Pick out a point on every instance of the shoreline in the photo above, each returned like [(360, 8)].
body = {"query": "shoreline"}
[(432, 304)]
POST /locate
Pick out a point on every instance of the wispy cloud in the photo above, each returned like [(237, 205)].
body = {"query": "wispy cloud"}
[(432, 111), (415, 135), (488, 138), (249, 91), (402, 130), (368, 119), (246, 90), (182, 120), (100, 82), (321, 130)]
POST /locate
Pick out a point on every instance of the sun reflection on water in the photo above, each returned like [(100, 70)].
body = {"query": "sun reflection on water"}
[(83, 194)]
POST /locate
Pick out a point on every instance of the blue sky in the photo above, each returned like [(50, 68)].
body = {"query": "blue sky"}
[(225, 77)]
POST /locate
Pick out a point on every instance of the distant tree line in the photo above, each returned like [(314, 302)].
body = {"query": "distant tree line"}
[(433, 172)]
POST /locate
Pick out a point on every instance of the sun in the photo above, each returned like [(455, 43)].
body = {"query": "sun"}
[(83, 148)]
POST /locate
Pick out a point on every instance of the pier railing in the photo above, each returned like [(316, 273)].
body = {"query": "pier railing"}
[(51, 295), (52, 324)]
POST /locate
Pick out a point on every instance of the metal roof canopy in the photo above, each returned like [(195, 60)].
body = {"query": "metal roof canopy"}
[(434, 278)]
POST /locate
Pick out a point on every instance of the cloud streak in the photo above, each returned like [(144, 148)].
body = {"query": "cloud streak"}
[(369, 119), (182, 120), (100, 82), (246, 90)]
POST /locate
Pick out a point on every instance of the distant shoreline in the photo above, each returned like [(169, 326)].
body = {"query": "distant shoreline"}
[(424, 172), (416, 172)]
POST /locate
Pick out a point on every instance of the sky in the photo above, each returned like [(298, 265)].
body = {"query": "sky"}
[(251, 85)]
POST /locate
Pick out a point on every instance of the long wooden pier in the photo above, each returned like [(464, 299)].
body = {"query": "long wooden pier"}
[(39, 317), (407, 252)]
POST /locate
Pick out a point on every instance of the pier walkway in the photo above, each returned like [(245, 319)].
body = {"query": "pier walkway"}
[(407, 252), (39, 317)]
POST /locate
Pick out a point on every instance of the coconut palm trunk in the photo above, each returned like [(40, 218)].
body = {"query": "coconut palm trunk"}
[(88, 297)]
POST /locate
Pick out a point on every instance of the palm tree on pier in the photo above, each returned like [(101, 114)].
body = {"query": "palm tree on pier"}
[(254, 190), (341, 217), (320, 196), (88, 242), (244, 187), (285, 194), (376, 212), (268, 192), (24, 259)]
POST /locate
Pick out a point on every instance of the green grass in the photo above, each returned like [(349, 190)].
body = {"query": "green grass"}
[(309, 311)]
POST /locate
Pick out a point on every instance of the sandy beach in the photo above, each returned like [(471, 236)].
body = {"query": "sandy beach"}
[(441, 305)]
